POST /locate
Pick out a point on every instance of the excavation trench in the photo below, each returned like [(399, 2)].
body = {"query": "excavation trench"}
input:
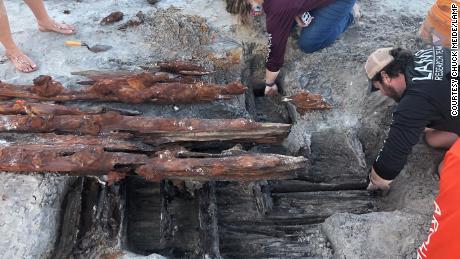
[(190, 215), (263, 219), (191, 219)]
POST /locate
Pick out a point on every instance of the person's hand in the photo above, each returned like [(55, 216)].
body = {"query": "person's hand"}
[(300, 23), (271, 90), (378, 184)]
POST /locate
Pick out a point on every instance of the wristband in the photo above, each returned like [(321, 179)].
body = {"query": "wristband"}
[(270, 84)]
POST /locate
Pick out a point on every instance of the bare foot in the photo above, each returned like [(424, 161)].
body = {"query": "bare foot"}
[(56, 27), (22, 62)]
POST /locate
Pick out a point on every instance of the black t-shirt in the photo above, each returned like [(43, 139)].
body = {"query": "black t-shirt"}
[(425, 103)]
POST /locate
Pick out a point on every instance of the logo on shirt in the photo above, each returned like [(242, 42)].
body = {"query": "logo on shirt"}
[(429, 63), (423, 249)]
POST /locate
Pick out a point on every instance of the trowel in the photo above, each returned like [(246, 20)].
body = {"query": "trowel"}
[(95, 48)]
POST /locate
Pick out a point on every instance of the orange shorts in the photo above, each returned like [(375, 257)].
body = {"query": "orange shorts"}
[(444, 235)]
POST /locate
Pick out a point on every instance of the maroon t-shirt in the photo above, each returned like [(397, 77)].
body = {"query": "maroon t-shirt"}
[(280, 16)]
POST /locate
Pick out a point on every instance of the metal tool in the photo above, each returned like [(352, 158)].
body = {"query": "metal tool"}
[(95, 48)]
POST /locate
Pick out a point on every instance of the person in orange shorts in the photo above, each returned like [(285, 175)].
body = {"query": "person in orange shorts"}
[(443, 239)]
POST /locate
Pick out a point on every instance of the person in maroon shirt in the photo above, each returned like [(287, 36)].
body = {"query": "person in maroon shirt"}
[(322, 22)]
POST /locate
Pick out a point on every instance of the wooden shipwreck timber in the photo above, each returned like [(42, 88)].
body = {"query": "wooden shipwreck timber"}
[(43, 137), (174, 82), (139, 88), (96, 144), (153, 130), (85, 159), (228, 166), (80, 157)]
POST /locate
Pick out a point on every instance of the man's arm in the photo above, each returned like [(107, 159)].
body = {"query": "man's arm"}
[(413, 114), (278, 28)]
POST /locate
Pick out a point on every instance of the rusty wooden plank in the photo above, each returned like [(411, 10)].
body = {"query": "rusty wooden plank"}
[(154, 130), (138, 88), (36, 91), (35, 108), (183, 67), (135, 91), (160, 76), (80, 159), (123, 142), (243, 167), (75, 160), (97, 75)]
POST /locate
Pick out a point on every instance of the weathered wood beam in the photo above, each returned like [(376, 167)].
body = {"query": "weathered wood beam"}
[(97, 75), (239, 130), (306, 186), (138, 88), (33, 108), (122, 142), (44, 88), (83, 156), (209, 233), (183, 67), (305, 207), (92, 214), (244, 167), (154, 130), (163, 93), (143, 218), (76, 159), (245, 240)]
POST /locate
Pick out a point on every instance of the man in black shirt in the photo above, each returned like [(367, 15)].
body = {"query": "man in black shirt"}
[(421, 83)]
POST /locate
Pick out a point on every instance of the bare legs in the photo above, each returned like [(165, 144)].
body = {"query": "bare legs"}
[(45, 23), (22, 62), (440, 139)]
